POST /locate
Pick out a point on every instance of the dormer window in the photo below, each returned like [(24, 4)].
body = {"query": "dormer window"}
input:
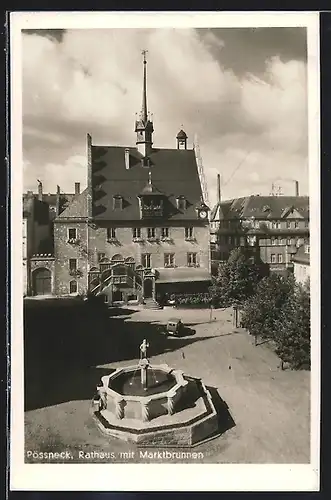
[(181, 203), (117, 202)]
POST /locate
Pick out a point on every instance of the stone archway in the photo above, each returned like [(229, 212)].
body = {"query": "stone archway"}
[(42, 281)]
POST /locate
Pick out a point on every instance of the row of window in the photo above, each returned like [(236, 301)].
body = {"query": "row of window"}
[(289, 224), (146, 260), (274, 258), (118, 203), (274, 241), (152, 232)]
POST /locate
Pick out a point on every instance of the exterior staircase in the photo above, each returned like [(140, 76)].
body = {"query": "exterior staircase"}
[(151, 304)]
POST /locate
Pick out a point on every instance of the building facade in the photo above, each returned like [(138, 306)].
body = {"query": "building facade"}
[(36, 236), (39, 211), (140, 230), (272, 227), (301, 264)]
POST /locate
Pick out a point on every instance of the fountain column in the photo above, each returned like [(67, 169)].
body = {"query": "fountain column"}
[(145, 411), (171, 403), (119, 408)]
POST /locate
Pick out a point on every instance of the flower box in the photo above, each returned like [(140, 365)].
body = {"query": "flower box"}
[(77, 273)]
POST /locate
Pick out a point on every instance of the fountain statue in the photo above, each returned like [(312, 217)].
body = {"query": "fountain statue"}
[(144, 363), (154, 404)]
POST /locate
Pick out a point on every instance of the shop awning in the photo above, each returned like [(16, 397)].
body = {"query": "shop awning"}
[(182, 274)]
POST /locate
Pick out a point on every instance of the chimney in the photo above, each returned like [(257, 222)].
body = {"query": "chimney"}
[(40, 190), (218, 188), (296, 188), (57, 200), (77, 188), (127, 158)]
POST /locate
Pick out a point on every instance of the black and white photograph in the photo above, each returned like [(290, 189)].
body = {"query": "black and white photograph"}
[(165, 251)]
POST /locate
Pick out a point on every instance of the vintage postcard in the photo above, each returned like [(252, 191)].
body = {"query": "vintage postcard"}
[(165, 330)]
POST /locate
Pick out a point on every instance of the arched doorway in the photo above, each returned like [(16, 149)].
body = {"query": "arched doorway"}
[(42, 282), (148, 288), (117, 295)]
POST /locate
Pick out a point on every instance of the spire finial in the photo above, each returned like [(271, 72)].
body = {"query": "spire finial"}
[(149, 177), (144, 53), (144, 113)]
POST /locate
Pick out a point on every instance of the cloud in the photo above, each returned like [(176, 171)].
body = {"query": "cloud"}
[(92, 81)]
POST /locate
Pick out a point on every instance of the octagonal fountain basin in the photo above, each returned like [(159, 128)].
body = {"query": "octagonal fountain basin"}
[(123, 394), (172, 409)]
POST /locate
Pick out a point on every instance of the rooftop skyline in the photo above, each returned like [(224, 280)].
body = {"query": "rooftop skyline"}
[(241, 91)]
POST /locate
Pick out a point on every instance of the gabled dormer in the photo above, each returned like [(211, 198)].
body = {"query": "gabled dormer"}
[(117, 202), (151, 201), (291, 213)]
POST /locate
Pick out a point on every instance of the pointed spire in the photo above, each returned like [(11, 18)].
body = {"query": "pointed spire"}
[(144, 125), (144, 112)]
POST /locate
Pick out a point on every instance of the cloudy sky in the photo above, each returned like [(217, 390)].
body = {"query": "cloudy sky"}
[(241, 91)]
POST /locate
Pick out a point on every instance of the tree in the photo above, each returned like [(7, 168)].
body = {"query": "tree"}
[(261, 311), (293, 329), (236, 280)]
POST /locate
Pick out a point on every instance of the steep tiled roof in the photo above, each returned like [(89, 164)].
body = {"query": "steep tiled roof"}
[(77, 208), (272, 207), (174, 173), (301, 256)]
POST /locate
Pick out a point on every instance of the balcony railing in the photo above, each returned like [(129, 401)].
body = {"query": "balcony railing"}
[(150, 212)]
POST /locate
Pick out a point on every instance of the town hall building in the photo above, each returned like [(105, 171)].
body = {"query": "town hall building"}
[(140, 230)]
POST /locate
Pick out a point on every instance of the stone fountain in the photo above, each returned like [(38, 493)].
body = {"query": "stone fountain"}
[(154, 405)]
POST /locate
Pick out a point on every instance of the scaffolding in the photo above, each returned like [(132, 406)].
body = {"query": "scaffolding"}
[(203, 182)]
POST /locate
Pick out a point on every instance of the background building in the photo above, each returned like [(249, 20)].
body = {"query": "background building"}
[(39, 212), (272, 227), (301, 264)]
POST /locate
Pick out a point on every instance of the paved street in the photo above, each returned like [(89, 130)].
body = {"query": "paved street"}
[(269, 407)]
